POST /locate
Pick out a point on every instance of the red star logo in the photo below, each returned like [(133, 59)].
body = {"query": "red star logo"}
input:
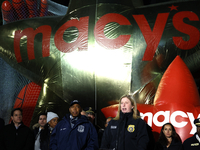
[(173, 7), (176, 101)]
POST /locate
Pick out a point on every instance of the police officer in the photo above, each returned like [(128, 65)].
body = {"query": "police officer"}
[(193, 143), (74, 131), (127, 131)]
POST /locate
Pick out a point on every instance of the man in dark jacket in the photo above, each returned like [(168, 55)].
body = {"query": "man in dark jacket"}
[(16, 136), (193, 143), (74, 131)]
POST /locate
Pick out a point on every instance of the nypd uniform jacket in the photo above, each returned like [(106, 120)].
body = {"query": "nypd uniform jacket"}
[(82, 136), (125, 134), (191, 143)]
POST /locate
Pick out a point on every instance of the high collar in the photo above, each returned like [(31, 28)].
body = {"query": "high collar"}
[(69, 117), (21, 124), (74, 118), (125, 115)]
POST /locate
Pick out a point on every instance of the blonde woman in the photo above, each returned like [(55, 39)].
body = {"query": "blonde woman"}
[(127, 131)]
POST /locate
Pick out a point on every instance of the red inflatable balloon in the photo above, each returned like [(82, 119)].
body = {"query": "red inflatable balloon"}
[(110, 111), (7, 11), (27, 99), (100, 50), (20, 8), (43, 8), (32, 8)]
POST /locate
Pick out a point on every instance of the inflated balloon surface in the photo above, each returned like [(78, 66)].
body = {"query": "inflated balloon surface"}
[(101, 50)]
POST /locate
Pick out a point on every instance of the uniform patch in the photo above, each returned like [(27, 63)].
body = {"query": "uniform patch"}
[(113, 127), (62, 129), (131, 128), (81, 128), (195, 144)]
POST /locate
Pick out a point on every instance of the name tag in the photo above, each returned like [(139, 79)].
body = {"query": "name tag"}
[(195, 144), (62, 129), (113, 127)]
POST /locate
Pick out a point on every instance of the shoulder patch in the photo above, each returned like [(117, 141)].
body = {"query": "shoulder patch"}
[(81, 128)]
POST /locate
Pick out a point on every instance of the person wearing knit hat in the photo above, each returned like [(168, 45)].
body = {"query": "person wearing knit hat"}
[(193, 143), (52, 119), (74, 131)]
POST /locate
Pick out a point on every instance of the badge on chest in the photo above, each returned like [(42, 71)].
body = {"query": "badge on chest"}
[(131, 128)]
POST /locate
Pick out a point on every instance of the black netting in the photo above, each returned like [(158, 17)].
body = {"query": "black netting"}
[(11, 81), (13, 10), (11, 84)]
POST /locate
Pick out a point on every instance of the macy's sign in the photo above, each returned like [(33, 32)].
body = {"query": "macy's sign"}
[(166, 117)]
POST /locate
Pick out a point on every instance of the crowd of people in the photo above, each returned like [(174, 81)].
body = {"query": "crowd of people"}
[(77, 131)]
